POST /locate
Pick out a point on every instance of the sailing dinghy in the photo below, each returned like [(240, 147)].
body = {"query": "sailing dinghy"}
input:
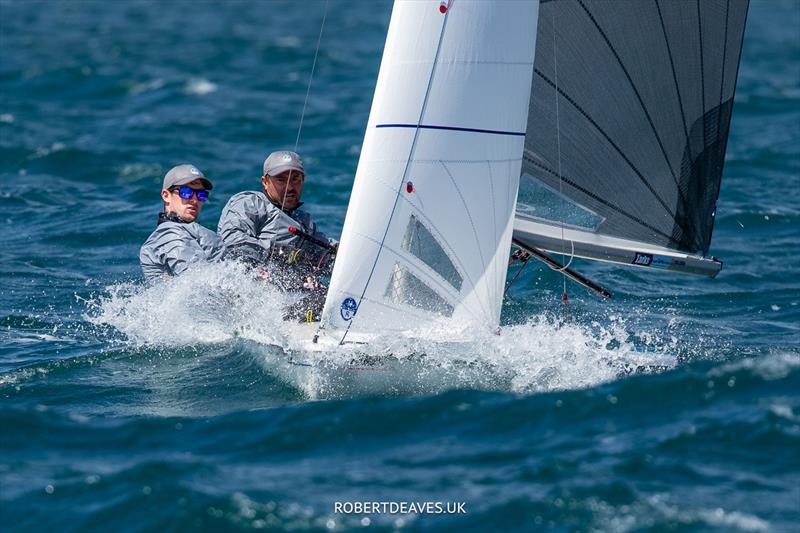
[(590, 129)]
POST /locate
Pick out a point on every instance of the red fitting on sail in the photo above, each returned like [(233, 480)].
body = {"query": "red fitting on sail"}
[(564, 297), (292, 229), (443, 7), (409, 187)]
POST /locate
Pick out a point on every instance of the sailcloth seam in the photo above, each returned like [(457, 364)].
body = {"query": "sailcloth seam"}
[(649, 120), (494, 218), (610, 142), (675, 80), (471, 223), (702, 71), (724, 56), (602, 200)]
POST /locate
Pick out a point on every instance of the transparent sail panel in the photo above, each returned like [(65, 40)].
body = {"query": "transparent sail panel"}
[(537, 200), (424, 246), (406, 288)]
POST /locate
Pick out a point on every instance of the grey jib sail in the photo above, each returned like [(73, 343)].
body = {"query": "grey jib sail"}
[(629, 116)]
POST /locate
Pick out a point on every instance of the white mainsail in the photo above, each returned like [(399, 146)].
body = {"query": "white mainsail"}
[(430, 219)]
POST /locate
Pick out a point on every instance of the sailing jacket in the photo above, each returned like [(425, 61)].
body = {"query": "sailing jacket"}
[(175, 245), (252, 227)]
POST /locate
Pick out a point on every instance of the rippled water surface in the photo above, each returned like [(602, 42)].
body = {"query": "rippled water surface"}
[(172, 408)]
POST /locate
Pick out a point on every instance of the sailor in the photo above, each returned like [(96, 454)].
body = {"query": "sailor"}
[(268, 230), (178, 240)]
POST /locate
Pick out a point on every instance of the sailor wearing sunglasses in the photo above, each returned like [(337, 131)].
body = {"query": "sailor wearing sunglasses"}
[(178, 240)]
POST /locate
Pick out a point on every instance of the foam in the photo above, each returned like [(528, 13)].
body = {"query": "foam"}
[(771, 367), (221, 303), (208, 304)]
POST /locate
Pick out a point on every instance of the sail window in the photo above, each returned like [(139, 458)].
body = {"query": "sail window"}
[(406, 288), (423, 245), (535, 199)]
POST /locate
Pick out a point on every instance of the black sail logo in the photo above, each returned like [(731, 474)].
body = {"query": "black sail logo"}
[(642, 259)]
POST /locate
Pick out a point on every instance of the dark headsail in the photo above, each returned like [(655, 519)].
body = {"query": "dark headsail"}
[(629, 116)]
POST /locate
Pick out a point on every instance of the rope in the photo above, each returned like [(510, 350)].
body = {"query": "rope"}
[(305, 102), (566, 266), (522, 256), (564, 297), (311, 77)]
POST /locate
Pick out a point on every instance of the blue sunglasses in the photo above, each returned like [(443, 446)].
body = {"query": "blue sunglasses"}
[(188, 192)]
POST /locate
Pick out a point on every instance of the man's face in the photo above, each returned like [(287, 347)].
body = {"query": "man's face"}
[(187, 209), (285, 188)]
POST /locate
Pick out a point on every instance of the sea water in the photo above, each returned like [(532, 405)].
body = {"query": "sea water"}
[(167, 408)]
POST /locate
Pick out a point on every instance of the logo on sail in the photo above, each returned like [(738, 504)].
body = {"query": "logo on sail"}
[(642, 259), (349, 308)]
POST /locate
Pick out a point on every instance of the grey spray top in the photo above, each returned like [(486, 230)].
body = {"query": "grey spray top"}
[(174, 246), (250, 224)]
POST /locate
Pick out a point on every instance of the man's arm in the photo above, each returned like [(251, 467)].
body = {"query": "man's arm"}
[(177, 249), (239, 226), (168, 252)]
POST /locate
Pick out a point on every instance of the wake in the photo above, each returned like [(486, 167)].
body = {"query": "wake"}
[(223, 303)]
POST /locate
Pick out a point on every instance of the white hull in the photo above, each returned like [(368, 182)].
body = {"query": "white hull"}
[(325, 369)]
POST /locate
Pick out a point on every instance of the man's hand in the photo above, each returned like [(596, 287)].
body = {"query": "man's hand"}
[(262, 273)]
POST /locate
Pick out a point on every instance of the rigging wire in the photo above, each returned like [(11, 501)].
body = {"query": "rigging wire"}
[(522, 256), (311, 75), (564, 297), (309, 314), (308, 91)]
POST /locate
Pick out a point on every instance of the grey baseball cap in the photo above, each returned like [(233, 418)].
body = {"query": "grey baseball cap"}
[(281, 161), (183, 174)]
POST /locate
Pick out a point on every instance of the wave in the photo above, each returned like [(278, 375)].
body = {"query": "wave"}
[(651, 452), (222, 303)]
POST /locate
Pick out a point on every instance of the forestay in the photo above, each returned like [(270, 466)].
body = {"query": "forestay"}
[(429, 224), (629, 115)]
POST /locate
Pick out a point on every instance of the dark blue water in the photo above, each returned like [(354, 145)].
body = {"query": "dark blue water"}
[(128, 409)]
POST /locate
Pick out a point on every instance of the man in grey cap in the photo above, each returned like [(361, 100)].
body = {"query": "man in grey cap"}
[(268, 229), (178, 240)]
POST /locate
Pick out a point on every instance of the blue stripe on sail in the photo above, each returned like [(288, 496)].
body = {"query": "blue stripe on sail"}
[(452, 128)]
